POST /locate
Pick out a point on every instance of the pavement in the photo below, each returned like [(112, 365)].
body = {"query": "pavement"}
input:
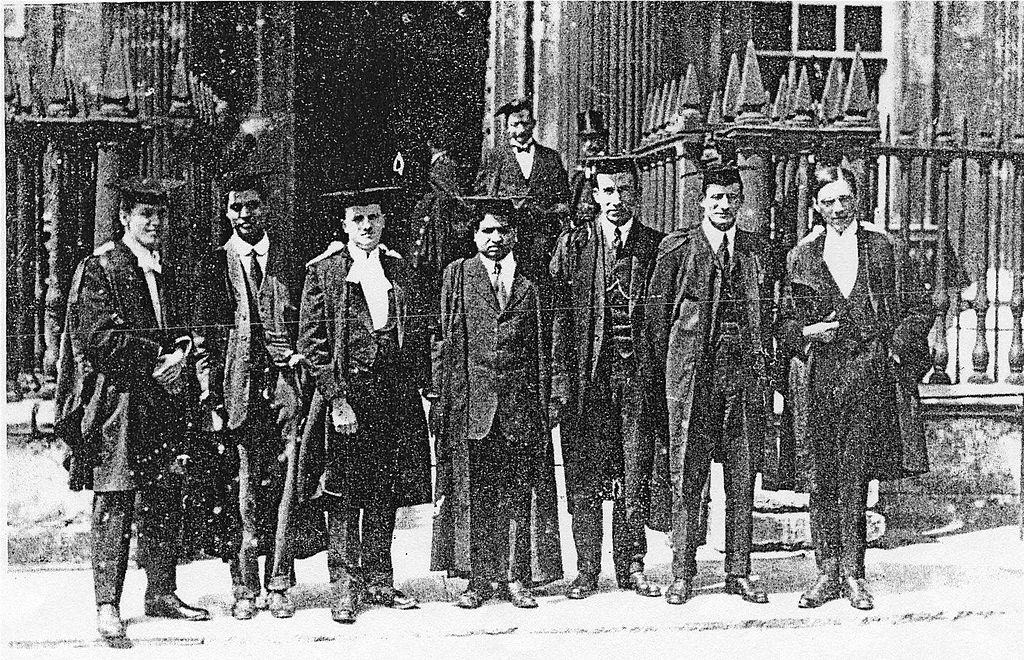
[(959, 595), (961, 592)]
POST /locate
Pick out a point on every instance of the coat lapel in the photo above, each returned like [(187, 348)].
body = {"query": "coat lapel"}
[(479, 282)]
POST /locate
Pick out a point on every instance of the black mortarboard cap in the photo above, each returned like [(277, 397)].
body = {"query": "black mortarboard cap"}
[(722, 175), (503, 206), (591, 122), (610, 164), (147, 188), (382, 195), (513, 106)]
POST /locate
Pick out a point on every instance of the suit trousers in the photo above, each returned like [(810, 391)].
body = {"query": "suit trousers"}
[(261, 479), (499, 501), (716, 428), (614, 400), (840, 420), (158, 525), (359, 541)]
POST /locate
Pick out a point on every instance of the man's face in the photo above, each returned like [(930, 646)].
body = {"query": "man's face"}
[(616, 196), (364, 225), (495, 237), (837, 205), (593, 145), (721, 203), (519, 126), (245, 211), (144, 223)]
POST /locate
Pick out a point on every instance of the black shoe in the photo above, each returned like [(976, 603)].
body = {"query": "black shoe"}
[(169, 606), (391, 597), (824, 590), (679, 591), (638, 582), (519, 595), (856, 589), (470, 599), (280, 605), (108, 621), (244, 608), (345, 608), (744, 587), (581, 587)]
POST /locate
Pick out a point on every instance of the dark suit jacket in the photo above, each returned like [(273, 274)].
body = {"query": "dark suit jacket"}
[(904, 312), (224, 327), (548, 186), (675, 335)]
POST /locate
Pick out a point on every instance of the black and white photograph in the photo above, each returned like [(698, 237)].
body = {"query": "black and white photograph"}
[(513, 329)]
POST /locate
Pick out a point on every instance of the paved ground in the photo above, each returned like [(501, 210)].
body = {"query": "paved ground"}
[(960, 596)]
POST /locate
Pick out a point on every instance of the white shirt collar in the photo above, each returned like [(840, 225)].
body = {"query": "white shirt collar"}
[(841, 257), (528, 145), (241, 247), (714, 235), (435, 156), (508, 268), (844, 238), (608, 227), (148, 260)]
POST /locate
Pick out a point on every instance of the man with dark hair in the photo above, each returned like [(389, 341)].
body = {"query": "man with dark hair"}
[(705, 325), (245, 319), (603, 268), (520, 167), (121, 405), (493, 446), (363, 328), (855, 319), (593, 138)]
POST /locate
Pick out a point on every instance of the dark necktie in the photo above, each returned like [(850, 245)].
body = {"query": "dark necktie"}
[(255, 270), (723, 255), (499, 287)]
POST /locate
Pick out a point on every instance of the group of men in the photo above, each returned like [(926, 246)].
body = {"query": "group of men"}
[(648, 350)]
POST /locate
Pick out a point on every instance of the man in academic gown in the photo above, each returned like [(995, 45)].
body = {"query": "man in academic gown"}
[(603, 268), (494, 450), (858, 323), (121, 394), (708, 328), (365, 448)]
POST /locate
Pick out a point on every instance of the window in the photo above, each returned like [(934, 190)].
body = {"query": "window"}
[(814, 32)]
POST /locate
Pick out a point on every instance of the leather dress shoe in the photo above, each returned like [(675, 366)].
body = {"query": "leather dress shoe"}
[(824, 590), (280, 604), (519, 595), (640, 584), (169, 606), (345, 608), (108, 621), (856, 589), (679, 591), (244, 608), (581, 587), (744, 587), (391, 597), (470, 599)]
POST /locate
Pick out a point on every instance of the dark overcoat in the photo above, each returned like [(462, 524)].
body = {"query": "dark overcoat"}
[(494, 364), (336, 336), (905, 314), (578, 269), (548, 188), (677, 325), (123, 428)]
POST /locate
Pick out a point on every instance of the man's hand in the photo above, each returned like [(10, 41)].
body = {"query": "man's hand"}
[(168, 367), (343, 418), (822, 332), (217, 418)]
